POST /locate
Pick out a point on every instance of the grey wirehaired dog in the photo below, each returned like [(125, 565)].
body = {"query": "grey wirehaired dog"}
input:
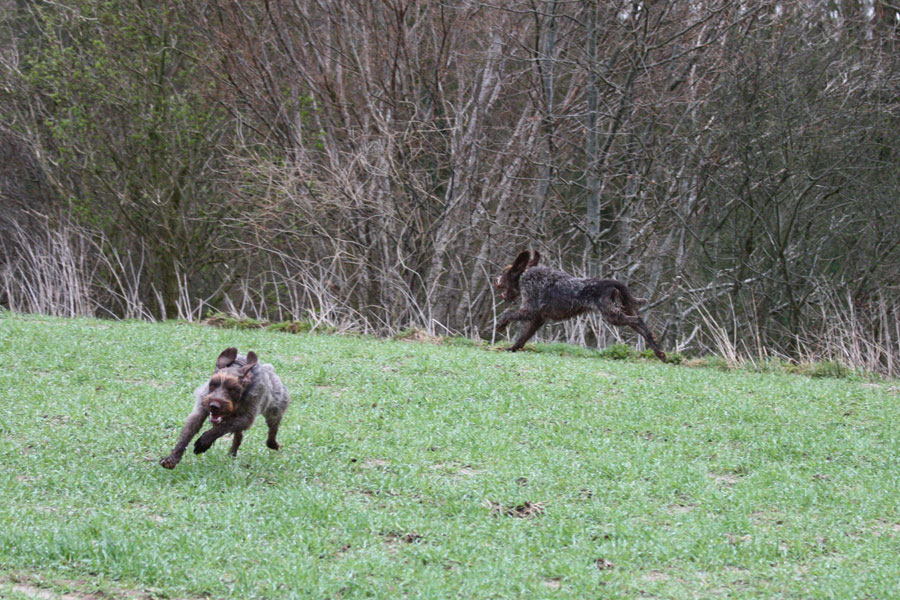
[(239, 390), (550, 294)]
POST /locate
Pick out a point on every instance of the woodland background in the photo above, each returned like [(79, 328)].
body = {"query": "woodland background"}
[(371, 165)]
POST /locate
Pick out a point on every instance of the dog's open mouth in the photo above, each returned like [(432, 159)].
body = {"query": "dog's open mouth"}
[(216, 419)]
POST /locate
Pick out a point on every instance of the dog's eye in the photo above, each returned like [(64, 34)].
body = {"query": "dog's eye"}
[(213, 385)]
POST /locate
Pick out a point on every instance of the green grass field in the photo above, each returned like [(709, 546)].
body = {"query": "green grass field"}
[(436, 471)]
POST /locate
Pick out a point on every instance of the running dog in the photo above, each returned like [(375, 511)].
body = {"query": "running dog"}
[(239, 390), (550, 294)]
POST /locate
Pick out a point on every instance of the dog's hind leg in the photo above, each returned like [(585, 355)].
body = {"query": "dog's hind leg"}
[(273, 421), (614, 315), (638, 325), (236, 442)]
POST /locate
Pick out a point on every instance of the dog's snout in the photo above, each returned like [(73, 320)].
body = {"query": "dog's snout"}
[(215, 407)]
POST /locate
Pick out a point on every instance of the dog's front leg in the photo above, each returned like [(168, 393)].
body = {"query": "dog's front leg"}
[(533, 326), (237, 424), (191, 427), (504, 320), (510, 315)]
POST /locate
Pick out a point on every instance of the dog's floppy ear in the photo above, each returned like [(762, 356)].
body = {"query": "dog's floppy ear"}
[(521, 262), (226, 358), (534, 259), (245, 372)]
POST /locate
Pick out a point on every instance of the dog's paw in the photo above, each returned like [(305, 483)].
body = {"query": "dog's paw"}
[(169, 462), (273, 445)]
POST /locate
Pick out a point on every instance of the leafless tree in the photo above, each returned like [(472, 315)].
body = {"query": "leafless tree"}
[(370, 165)]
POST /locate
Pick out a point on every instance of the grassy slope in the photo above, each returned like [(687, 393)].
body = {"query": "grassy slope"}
[(678, 482)]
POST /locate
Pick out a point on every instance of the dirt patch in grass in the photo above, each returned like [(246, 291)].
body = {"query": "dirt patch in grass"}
[(738, 539), (881, 527), (766, 518), (522, 511), (373, 493), (680, 509), (56, 419), (554, 583), (41, 590), (410, 537), (26, 589), (395, 539), (457, 468), (727, 479), (604, 564)]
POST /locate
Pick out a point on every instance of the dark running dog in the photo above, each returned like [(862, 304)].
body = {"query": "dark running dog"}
[(240, 389), (549, 294)]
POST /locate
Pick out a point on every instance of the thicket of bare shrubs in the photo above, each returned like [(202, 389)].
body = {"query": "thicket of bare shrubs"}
[(370, 166)]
